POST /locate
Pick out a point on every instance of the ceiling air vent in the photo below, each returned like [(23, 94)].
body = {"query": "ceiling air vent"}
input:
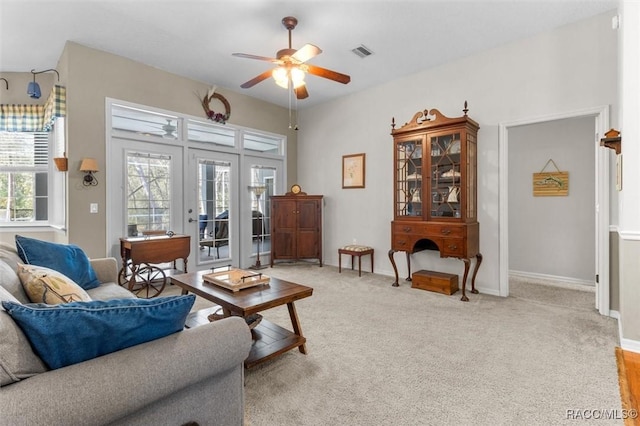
[(362, 51)]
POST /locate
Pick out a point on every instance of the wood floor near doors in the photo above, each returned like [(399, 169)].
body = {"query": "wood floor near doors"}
[(629, 378)]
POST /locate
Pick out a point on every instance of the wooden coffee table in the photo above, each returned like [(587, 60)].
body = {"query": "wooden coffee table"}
[(269, 339)]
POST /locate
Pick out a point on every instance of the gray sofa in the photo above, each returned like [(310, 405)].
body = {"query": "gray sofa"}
[(196, 375)]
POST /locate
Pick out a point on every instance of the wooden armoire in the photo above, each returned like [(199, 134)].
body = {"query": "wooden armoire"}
[(296, 227)]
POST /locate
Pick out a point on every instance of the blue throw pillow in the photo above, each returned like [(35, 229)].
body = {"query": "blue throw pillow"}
[(67, 259), (69, 333)]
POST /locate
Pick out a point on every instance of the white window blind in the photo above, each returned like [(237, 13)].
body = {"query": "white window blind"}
[(24, 150)]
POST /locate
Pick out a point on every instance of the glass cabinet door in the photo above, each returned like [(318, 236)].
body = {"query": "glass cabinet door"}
[(471, 178), (409, 178), (445, 176)]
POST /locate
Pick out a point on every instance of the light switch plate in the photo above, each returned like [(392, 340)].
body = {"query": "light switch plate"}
[(93, 208)]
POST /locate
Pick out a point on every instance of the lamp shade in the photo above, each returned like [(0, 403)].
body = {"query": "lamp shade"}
[(258, 190), (33, 90), (89, 165), (297, 77), (280, 76)]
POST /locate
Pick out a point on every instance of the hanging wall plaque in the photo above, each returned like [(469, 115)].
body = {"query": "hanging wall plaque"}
[(550, 184)]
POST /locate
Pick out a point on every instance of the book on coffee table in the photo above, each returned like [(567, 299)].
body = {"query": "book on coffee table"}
[(236, 279)]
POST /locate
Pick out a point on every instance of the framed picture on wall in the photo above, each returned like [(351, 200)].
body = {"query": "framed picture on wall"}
[(353, 171)]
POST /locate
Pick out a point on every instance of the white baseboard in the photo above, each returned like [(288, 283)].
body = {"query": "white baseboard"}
[(557, 281), (625, 344), (484, 290), (630, 345)]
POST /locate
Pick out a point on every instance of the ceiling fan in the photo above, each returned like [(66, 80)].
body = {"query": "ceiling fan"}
[(292, 66), (168, 130)]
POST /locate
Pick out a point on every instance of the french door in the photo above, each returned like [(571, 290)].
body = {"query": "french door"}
[(145, 190), (170, 172), (212, 207)]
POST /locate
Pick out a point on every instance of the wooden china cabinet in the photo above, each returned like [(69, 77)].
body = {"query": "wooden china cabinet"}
[(435, 187)]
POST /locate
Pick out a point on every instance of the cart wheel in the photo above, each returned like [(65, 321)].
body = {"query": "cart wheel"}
[(150, 281), (124, 274), (124, 279)]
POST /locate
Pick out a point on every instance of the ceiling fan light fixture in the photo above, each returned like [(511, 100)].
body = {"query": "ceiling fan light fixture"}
[(281, 76), (297, 77), (292, 66)]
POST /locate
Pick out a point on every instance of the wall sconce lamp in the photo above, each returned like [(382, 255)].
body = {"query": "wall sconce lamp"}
[(5, 82), (89, 166), (33, 89)]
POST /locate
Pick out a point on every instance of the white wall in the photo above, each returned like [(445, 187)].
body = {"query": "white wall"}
[(563, 70), (630, 194), (536, 222)]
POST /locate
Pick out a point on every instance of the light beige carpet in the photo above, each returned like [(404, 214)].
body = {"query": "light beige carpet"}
[(379, 355)]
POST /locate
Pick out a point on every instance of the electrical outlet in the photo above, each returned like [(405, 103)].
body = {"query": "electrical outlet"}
[(93, 208)]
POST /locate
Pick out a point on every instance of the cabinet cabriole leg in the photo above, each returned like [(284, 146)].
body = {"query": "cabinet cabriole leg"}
[(467, 263), (475, 272), (395, 269), (408, 266)]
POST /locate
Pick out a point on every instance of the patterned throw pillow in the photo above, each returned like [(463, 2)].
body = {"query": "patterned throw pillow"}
[(44, 285)]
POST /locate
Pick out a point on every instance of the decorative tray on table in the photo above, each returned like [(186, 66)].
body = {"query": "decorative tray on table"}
[(236, 279)]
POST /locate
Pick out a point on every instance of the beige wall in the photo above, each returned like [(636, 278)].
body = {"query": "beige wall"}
[(535, 222), (92, 76), (17, 92), (614, 271)]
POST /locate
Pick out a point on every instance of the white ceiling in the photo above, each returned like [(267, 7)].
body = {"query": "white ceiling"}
[(196, 38)]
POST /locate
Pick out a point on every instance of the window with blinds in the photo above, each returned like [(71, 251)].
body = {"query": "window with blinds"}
[(24, 166)]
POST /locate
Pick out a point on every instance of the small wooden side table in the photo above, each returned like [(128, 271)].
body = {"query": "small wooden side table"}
[(355, 250)]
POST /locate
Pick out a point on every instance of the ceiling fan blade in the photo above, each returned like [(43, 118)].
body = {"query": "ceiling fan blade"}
[(260, 58), (306, 52), (301, 92), (325, 73), (255, 80)]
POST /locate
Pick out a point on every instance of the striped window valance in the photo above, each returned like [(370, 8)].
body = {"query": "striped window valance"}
[(56, 106), (21, 118), (34, 118)]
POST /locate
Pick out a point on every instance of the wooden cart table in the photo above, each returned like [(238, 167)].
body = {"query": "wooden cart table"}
[(269, 339), (139, 254)]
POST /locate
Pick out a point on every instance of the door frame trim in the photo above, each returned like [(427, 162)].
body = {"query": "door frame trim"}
[(602, 186)]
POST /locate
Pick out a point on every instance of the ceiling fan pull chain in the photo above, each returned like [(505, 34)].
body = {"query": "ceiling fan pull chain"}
[(296, 108), (290, 91)]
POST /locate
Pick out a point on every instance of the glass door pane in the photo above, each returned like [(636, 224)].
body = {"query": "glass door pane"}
[(214, 200), (409, 178), (262, 188), (471, 177), (211, 194), (445, 175), (148, 193)]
